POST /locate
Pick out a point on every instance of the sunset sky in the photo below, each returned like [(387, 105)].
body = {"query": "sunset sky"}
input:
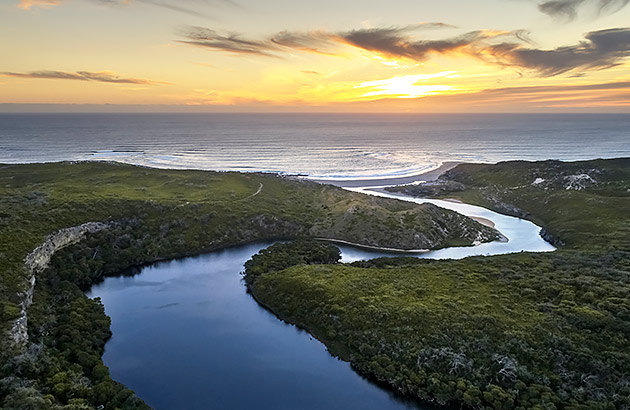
[(329, 55)]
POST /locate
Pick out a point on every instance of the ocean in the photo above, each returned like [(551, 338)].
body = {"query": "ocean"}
[(334, 146)]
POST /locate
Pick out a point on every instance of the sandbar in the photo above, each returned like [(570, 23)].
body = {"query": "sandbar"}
[(430, 175)]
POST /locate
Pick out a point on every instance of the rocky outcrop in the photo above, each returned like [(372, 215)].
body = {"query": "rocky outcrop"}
[(38, 260), (550, 238)]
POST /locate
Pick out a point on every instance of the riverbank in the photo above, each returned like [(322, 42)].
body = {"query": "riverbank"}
[(484, 332)]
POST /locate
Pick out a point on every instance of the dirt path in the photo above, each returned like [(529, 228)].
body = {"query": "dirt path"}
[(254, 194)]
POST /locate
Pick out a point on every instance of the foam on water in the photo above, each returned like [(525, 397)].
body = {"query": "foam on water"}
[(332, 146)]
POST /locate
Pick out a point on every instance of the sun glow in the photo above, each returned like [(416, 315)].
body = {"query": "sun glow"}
[(241, 61), (408, 86)]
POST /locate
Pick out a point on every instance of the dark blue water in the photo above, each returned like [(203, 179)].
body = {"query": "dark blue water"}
[(187, 336), (323, 145)]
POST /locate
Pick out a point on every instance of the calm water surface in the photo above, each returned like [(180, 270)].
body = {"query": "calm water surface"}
[(187, 336)]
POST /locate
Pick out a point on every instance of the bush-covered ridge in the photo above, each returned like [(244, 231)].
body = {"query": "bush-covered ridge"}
[(151, 215), (581, 204), (284, 255), (522, 331)]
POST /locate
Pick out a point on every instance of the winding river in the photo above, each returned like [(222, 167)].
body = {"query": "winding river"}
[(523, 235), (187, 336)]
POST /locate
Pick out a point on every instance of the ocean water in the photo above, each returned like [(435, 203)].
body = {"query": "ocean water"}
[(317, 145)]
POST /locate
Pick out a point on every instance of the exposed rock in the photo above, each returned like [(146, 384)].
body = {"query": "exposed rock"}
[(578, 182), (550, 238), (38, 260)]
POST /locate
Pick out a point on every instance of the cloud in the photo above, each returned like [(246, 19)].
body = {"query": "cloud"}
[(313, 41), (28, 4), (585, 95), (101, 76), (182, 6), (561, 9), (273, 46), (601, 49), (232, 42), (397, 42), (393, 41), (619, 85), (567, 10), (179, 6)]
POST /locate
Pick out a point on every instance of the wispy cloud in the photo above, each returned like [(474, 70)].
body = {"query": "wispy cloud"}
[(613, 94), (398, 42), (28, 4), (191, 7), (101, 76), (395, 41), (316, 41), (230, 42), (601, 49), (567, 10), (553, 89)]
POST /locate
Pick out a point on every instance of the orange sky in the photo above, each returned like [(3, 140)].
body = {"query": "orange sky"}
[(280, 55)]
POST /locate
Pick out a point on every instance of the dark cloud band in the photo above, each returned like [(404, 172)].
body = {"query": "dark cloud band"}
[(600, 49), (568, 9)]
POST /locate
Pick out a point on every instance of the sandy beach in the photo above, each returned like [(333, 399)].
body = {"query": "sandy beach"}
[(431, 175)]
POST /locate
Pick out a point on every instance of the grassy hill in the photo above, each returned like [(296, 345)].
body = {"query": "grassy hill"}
[(520, 331)]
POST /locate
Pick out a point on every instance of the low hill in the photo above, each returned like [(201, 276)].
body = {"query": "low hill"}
[(518, 331)]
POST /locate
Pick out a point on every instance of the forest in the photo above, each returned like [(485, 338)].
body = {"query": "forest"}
[(146, 215), (517, 331)]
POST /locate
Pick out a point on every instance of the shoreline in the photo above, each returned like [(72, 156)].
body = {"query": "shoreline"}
[(484, 221), (430, 175)]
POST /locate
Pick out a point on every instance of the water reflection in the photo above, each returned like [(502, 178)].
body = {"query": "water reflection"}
[(187, 336)]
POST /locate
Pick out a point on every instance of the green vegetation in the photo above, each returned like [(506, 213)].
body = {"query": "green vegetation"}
[(521, 331), (582, 205), (284, 255), (152, 215)]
